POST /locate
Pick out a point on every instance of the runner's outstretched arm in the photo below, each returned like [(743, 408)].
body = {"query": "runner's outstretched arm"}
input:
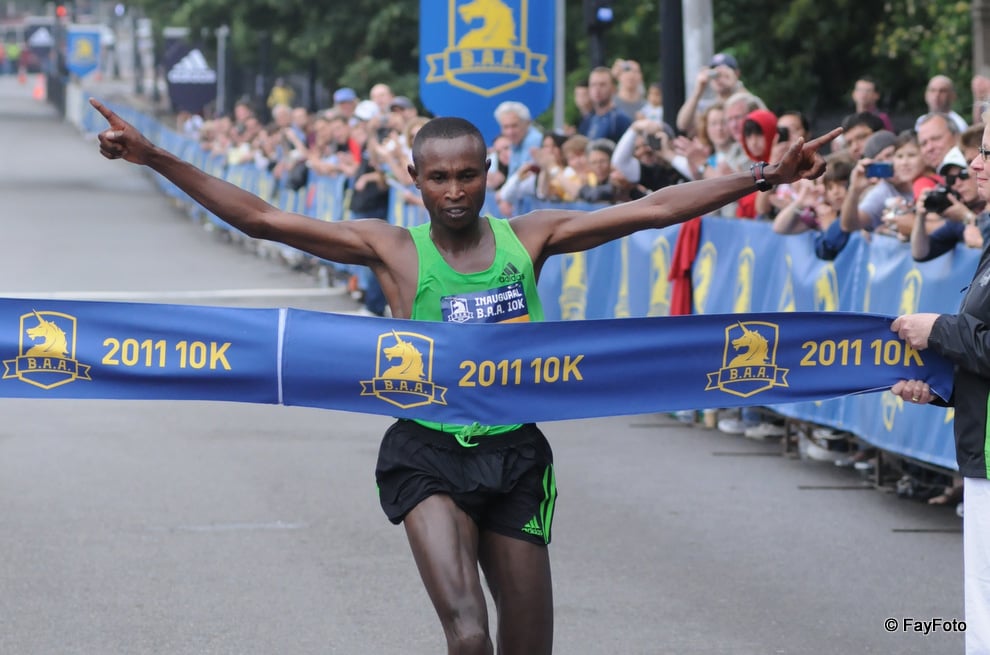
[(552, 232), (351, 242)]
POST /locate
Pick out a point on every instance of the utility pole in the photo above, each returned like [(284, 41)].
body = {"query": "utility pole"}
[(560, 68), (671, 55), (598, 17), (699, 40), (222, 33)]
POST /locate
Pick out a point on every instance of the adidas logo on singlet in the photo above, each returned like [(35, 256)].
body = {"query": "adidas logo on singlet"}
[(510, 274), (533, 527)]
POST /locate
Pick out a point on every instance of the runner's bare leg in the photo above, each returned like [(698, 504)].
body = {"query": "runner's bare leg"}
[(518, 575), (444, 542)]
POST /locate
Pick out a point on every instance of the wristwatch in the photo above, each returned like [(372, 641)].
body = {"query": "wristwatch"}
[(758, 177)]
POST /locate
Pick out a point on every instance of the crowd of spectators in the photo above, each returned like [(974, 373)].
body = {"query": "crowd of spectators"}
[(910, 184)]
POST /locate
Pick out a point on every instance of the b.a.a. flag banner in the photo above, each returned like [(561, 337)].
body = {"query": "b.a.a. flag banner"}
[(82, 45), (474, 54), (489, 373)]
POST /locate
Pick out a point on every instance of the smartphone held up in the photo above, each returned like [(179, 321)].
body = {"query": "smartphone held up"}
[(880, 169)]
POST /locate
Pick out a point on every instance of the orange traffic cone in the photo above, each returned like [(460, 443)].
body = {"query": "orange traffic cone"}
[(21, 76), (40, 91)]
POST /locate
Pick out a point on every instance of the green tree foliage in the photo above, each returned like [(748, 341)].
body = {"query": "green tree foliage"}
[(344, 43), (796, 54), (806, 55)]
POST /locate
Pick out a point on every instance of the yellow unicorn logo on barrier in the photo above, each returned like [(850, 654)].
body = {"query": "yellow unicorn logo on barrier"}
[(910, 292), (409, 382), (574, 286), (787, 302), (703, 274), (749, 360), (744, 281), (47, 351), (827, 290), (890, 406), (659, 270)]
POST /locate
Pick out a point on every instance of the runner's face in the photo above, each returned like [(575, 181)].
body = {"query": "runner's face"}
[(452, 176)]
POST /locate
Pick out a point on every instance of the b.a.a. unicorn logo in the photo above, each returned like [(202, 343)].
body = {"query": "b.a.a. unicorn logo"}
[(573, 286), (787, 302), (890, 406), (83, 49), (703, 276), (910, 292), (659, 284), (404, 371), (744, 281), (487, 49), (47, 351), (749, 360), (827, 290)]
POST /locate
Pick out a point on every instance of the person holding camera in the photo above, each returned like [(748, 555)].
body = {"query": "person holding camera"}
[(719, 80), (646, 158), (958, 204), (601, 186)]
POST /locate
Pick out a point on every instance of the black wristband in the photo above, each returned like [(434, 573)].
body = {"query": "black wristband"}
[(757, 171)]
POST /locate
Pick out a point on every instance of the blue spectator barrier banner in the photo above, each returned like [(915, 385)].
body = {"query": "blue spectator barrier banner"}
[(621, 279), (82, 45), (444, 371), (475, 54), (742, 266)]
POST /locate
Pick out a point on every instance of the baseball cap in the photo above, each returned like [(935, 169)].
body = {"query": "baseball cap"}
[(953, 158), (401, 102), (878, 142), (344, 94), (724, 59), (366, 110)]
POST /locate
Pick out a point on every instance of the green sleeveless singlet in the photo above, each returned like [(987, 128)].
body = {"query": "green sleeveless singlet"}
[(504, 292)]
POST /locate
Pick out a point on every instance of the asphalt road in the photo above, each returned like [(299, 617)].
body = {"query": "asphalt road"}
[(190, 528)]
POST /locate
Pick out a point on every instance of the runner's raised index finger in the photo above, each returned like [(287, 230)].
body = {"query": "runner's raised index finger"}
[(100, 107), (823, 139)]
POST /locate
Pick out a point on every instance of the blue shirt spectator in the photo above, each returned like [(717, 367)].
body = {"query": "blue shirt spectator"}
[(516, 124)]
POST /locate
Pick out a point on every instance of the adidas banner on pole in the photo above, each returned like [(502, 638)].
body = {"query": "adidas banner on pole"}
[(192, 83), (489, 373)]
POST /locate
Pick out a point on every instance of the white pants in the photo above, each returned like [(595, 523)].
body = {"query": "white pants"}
[(976, 564)]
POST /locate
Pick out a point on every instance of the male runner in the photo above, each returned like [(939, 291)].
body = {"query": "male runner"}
[(467, 495)]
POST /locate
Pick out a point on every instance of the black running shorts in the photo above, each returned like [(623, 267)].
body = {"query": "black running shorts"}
[(505, 483)]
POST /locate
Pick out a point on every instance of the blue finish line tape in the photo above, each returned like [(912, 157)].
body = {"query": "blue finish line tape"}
[(493, 374)]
